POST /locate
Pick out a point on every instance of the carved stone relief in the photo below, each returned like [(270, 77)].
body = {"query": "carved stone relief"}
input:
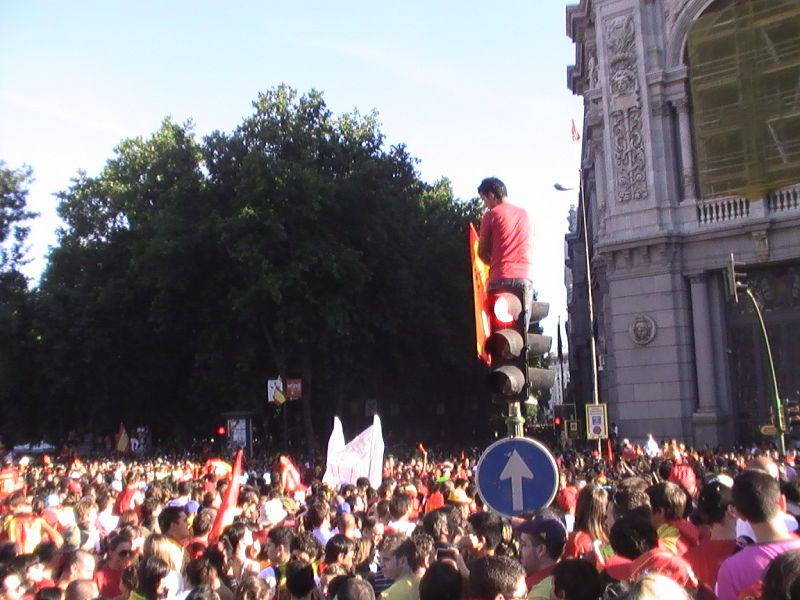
[(630, 163), (642, 330)]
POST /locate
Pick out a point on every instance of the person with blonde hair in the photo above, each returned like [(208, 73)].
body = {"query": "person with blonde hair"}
[(159, 545), (656, 587), (590, 522)]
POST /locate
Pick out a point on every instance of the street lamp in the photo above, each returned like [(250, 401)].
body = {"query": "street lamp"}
[(589, 292)]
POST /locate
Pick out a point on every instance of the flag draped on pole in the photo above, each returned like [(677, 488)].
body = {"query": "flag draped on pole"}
[(575, 135), (480, 283), (123, 441), (560, 346), (226, 510), (362, 457)]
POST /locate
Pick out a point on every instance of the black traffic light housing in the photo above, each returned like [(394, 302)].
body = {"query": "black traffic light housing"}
[(734, 278), (512, 348)]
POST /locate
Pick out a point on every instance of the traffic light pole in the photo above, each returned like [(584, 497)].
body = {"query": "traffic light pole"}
[(515, 420), (775, 395)]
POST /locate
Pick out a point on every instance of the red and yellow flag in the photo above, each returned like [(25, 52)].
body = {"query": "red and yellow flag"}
[(575, 135), (227, 509), (480, 282)]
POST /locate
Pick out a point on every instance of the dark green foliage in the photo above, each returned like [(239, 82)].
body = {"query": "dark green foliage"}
[(188, 272)]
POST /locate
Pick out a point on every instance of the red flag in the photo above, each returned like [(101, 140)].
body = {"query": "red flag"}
[(609, 451), (229, 501), (575, 135)]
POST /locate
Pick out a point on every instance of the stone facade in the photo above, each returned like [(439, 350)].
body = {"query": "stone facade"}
[(658, 250)]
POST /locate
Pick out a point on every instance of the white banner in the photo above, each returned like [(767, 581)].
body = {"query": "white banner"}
[(362, 457)]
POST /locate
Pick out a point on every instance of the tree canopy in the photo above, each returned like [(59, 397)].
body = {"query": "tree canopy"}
[(189, 271)]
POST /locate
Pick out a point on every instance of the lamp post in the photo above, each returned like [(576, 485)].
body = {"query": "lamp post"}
[(589, 291)]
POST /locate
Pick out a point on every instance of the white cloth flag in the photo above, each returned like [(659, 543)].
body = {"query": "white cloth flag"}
[(362, 457)]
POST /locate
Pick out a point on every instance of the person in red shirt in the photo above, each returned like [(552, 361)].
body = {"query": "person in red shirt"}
[(716, 508), (119, 554), (506, 242), (675, 533)]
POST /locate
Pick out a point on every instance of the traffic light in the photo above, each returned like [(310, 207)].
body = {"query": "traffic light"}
[(511, 348), (222, 430), (557, 422), (734, 278)]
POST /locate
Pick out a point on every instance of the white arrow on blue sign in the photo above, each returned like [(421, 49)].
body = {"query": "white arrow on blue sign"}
[(517, 475)]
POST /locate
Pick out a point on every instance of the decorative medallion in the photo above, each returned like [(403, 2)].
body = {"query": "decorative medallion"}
[(642, 330)]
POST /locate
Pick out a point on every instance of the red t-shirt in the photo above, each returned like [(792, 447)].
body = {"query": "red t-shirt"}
[(108, 582), (707, 558), (506, 230), (578, 544)]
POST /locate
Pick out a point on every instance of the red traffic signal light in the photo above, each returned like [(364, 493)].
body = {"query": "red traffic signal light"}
[(557, 421), (222, 430)]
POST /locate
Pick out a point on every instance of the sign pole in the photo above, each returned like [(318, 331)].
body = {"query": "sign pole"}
[(515, 420)]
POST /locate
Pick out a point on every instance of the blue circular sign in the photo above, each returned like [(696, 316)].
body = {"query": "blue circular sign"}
[(517, 475)]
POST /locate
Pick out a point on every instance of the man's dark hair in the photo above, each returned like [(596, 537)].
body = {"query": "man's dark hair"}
[(633, 535), (203, 522), (668, 498), (299, 578), (316, 515), (578, 579), (303, 543), (348, 587), (184, 488), (782, 577), (713, 503), (408, 550), (630, 496), (435, 524), (6, 571), (398, 505), (48, 593), (492, 185), (493, 575), (282, 536), (489, 526), (169, 516), (423, 548), (337, 546), (390, 543), (202, 592), (755, 495), (441, 581), (81, 589), (200, 571)]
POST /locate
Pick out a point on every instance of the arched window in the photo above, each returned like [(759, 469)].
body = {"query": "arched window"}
[(744, 76)]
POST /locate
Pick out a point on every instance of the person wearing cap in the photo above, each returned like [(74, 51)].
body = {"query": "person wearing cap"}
[(460, 499), (541, 544)]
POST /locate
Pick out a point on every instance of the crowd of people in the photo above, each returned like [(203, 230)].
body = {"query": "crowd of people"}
[(668, 522)]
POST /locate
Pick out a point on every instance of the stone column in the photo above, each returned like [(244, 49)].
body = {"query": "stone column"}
[(687, 156), (703, 349)]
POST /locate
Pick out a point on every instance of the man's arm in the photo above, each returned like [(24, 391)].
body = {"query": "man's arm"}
[(485, 240)]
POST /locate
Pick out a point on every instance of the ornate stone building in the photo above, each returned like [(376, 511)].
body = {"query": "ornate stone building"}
[(691, 152)]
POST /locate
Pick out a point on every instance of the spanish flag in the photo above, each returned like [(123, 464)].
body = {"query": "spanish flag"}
[(123, 441), (575, 135)]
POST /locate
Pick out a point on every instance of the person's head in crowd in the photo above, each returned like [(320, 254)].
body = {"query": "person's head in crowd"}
[(219, 558), (279, 545), (656, 587), (667, 501), (119, 551), (48, 555), (81, 589), (31, 569), (485, 532), (715, 504), (331, 574), (201, 572), (48, 593), (150, 575), (203, 522), (388, 550), (300, 580), (382, 512), (128, 518), (496, 578), (765, 464), (253, 588), (159, 545), (782, 577), (363, 555), (240, 537), (435, 524), (77, 564), (173, 522), (11, 585), (633, 535), (85, 513), (303, 546), (576, 579), (351, 588), (441, 581), (340, 550), (757, 496), (346, 525), (630, 495), (202, 592), (590, 512), (399, 506), (541, 543), (317, 516), (150, 510)]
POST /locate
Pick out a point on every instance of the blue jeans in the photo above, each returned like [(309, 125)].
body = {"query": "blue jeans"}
[(523, 285)]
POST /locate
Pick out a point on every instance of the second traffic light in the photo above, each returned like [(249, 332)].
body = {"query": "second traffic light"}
[(512, 348)]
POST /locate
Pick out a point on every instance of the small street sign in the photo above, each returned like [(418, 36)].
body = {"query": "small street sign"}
[(768, 430), (517, 475)]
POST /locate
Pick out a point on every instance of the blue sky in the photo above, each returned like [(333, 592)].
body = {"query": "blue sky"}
[(472, 89)]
